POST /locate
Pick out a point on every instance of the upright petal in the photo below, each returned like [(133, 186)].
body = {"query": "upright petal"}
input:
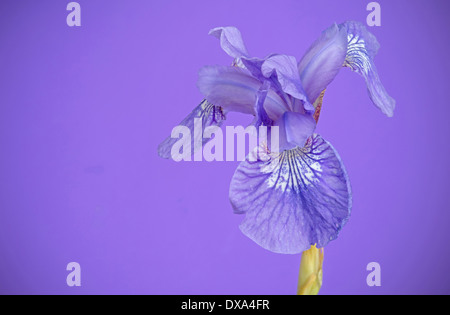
[(235, 89), (230, 41), (210, 114), (361, 50), (322, 62), (293, 199)]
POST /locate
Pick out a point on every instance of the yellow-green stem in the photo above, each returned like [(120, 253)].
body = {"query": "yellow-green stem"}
[(310, 277)]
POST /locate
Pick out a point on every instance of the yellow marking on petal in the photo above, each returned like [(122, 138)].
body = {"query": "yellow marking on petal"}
[(310, 277), (318, 106)]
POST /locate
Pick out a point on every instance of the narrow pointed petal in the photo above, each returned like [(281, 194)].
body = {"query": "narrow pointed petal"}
[(293, 199), (262, 118), (234, 89), (362, 48), (253, 65), (322, 62), (295, 129), (210, 114), (230, 41)]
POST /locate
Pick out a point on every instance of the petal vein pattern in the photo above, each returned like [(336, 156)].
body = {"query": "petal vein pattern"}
[(361, 50), (294, 199)]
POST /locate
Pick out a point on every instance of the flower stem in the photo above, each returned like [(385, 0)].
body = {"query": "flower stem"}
[(310, 277)]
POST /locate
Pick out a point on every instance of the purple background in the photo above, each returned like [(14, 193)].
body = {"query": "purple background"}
[(82, 111)]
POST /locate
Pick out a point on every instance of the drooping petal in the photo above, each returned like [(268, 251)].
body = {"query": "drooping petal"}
[(235, 89), (295, 129), (230, 41), (293, 199), (210, 115), (361, 50), (322, 62)]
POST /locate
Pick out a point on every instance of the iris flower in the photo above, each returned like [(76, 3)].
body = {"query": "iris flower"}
[(298, 196)]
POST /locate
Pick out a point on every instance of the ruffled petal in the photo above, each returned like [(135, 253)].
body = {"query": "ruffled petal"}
[(322, 62), (293, 199), (361, 50), (295, 129), (254, 66), (281, 72), (210, 114), (235, 89), (230, 41), (285, 68)]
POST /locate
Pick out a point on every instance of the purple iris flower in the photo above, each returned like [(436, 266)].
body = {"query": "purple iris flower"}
[(299, 195)]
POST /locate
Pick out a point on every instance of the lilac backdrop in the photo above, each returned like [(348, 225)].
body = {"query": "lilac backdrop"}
[(82, 111)]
